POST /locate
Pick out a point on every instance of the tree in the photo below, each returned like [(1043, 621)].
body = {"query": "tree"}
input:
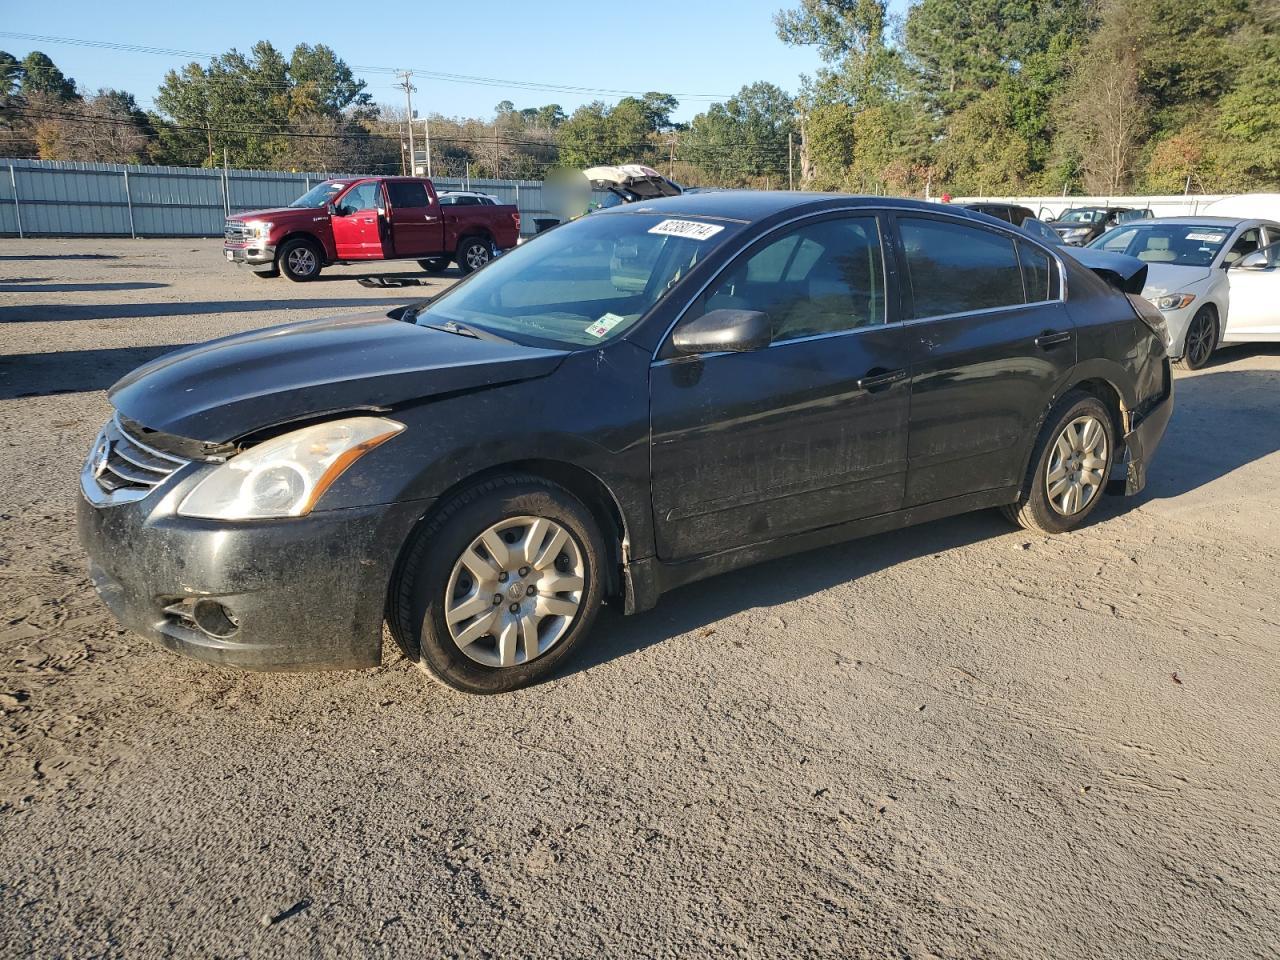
[(745, 138), (598, 134), (105, 128), (10, 76), (41, 75)]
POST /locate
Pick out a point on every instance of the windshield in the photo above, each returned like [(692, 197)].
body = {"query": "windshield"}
[(1081, 215), (1180, 245), (319, 195), (581, 284)]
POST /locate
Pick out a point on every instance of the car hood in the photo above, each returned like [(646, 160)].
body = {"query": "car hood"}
[(1163, 278), (222, 390), (279, 213)]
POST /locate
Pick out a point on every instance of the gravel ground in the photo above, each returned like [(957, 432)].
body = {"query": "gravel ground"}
[(950, 741)]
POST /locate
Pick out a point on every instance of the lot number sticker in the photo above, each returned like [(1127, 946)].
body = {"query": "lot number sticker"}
[(687, 228), (1207, 237), (604, 324)]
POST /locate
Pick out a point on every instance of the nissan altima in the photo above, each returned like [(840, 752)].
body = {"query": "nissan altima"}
[(638, 399)]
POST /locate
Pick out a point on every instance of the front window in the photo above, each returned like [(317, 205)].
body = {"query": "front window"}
[(1083, 215), (363, 196), (320, 194), (583, 283), (1180, 245)]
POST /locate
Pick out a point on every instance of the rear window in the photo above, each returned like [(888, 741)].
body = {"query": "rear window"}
[(404, 194), (954, 268)]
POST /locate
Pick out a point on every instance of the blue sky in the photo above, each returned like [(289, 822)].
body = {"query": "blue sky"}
[(690, 47)]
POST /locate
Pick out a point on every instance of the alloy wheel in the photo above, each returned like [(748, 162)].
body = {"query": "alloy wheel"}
[(477, 256), (1200, 340), (1076, 471), (515, 591), (301, 261)]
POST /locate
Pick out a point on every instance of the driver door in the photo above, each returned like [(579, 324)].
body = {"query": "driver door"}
[(357, 222), (808, 432), (1254, 305)]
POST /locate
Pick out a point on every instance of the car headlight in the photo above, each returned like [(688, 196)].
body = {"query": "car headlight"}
[(287, 475), (260, 228), (1174, 301), (1077, 232)]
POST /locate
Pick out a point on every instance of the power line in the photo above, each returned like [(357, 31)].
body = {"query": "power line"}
[(429, 74)]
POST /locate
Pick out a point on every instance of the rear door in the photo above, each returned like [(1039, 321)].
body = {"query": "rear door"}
[(357, 224), (1254, 306), (808, 432), (415, 224), (995, 342)]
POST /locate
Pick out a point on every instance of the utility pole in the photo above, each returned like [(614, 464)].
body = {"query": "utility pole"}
[(405, 83), (671, 164), (791, 179), (426, 129)]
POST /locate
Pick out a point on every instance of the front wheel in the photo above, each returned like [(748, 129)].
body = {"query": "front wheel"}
[(474, 253), (1202, 338), (299, 260), (500, 586), (1069, 466)]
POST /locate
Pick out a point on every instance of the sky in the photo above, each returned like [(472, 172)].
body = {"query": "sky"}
[(704, 49)]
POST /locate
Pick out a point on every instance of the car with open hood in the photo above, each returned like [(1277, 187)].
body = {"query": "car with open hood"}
[(1208, 277), (1080, 226), (638, 399)]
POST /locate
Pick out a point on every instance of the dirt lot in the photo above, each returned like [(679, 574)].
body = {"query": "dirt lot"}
[(952, 741)]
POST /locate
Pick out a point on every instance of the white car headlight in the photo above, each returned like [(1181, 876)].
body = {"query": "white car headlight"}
[(1174, 301), (260, 228), (1077, 232), (286, 476)]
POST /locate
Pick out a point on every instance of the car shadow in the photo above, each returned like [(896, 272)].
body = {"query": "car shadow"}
[(1222, 421), (46, 312), (71, 371), (33, 285), (60, 256)]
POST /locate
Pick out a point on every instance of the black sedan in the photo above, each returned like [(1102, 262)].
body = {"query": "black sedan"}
[(630, 402)]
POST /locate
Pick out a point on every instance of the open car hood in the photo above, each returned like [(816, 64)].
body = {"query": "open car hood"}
[(225, 389), (644, 182), (1125, 273)]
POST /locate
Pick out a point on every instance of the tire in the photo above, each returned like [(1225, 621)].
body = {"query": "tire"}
[(267, 274), (434, 264), (300, 260), (433, 582), (473, 253), (1201, 340), (1036, 509)]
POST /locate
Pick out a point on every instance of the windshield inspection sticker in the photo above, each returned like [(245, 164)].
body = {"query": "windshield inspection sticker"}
[(604, 324), (1207, 237), (687, 228)]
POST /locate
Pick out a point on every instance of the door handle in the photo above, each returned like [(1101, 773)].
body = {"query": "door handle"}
[(875, 380), (430, 218), (1051, 338), (368, 220)]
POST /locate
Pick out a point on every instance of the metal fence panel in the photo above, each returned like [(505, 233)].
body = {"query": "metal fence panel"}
[(57, 198)]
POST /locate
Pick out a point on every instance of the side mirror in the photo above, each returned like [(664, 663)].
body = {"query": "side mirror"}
[(382, 211), (1257, 260), (331, 208), (735, 331)]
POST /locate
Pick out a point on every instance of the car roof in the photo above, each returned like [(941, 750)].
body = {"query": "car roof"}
[(1203, 221), (749, 206)]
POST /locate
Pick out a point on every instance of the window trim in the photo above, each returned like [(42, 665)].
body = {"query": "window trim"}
[(907, 296)]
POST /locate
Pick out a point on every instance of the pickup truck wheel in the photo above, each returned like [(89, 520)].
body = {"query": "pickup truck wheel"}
[(500, 586), (473, 253), (434, 264), (1069, 467), (300, 260)]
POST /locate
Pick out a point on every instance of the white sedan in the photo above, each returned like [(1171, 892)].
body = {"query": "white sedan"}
[(1215, 279)]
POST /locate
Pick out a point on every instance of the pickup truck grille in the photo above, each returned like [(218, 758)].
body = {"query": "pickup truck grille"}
[(124, 468), (235, 230)]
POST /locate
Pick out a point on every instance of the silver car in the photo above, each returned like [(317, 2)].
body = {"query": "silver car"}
[(1189, 261)]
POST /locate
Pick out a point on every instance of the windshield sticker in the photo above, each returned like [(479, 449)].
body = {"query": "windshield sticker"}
[(1207, 237), (605, 323), (687, 228)]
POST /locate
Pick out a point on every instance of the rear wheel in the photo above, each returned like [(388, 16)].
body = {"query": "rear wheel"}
[(1069, 466), (497, 589), (300, 260), (1202, 339), (474, 253), (434, 264)]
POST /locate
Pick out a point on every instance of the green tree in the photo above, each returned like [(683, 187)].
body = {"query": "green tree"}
[(745, 138), (41, 75)]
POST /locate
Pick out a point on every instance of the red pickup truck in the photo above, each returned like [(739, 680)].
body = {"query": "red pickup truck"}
[(369, 218)]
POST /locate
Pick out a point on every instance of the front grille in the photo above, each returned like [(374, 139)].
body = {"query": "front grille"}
[(125, 468), (236, 230)]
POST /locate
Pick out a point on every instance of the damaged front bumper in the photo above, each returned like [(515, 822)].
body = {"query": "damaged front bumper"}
[(298, 594)]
